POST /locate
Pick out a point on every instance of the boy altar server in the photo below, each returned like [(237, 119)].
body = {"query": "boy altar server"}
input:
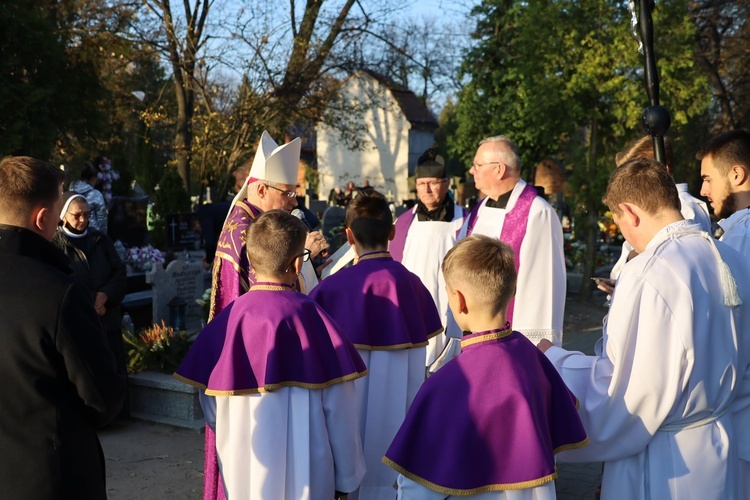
[(278, 379), (389, 316), (510, 411), (655, 401)]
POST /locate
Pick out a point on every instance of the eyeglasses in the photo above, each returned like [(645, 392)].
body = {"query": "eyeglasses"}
[(305, 257), (433, 184), (80, 215), (477, 166), (288, 194)]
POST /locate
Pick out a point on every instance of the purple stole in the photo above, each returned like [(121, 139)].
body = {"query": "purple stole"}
[(379, 304), (510, 414), (270, 337), (514, 229), (396, 247)]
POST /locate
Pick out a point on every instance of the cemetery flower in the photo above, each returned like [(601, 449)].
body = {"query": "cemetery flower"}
[(143, 258), (205, 303), (106, 176), (157, 347)]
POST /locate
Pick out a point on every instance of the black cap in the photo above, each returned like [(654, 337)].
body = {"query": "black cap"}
[(430, 164)]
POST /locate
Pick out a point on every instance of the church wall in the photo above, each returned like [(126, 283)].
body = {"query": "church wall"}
[(383, 157)]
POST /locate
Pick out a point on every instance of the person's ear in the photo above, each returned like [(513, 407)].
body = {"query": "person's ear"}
[(298, 263), (349, 236), (392, 234), (42, 218), (460, 301), (262, 190), (631, 213), (738, 175)]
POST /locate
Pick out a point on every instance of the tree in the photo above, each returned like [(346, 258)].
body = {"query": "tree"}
[(576, 92)]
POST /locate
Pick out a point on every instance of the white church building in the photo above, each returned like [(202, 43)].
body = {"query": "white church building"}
[(396, 128)]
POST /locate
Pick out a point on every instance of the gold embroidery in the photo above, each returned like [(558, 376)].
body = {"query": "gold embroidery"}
[(484, 338), (272, 288), (571, 446)]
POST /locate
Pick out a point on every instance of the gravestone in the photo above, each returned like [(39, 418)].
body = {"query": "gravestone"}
[(183, 231), (332, 217), (127, 221), (180, 280)]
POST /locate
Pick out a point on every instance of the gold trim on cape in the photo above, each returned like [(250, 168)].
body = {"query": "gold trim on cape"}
[(473, 491), (374, 255), (271, 387), (489, 336), (272, 288), (407, 345)]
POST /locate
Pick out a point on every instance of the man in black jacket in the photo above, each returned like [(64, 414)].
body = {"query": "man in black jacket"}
[(59, 380)]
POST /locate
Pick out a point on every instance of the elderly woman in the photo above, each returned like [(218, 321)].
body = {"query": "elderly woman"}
[(95, 265)]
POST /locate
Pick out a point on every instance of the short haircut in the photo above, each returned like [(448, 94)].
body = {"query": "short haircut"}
[(274, 239), (26, 183), (509, 153), (644, 183), (369, 218), (644, 148), (89, 171), (482, 268), (727, 150)]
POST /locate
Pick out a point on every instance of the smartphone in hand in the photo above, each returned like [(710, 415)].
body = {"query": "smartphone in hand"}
[(604, 281)]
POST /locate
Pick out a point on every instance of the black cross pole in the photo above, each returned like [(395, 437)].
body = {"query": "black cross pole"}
[(655, 118)]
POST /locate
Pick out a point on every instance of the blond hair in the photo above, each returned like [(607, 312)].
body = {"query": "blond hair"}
[(482, 268)]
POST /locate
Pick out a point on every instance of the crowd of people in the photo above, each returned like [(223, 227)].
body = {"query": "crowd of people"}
[(431, 368)]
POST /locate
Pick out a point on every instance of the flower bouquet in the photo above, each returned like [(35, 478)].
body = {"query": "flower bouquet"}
[(205, 303), (158, 347), (143, 258)]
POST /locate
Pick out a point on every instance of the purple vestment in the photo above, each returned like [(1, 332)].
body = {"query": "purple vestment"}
[(509, 410), (379, 304), (514, 229), (268, 338)]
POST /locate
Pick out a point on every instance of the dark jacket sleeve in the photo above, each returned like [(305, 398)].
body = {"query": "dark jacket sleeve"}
[(117, 283), (88, 360)]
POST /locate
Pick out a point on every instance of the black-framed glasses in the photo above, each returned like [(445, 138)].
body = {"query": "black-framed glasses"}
[(433, 184), (305, 257), (288, 194), (80, 215)]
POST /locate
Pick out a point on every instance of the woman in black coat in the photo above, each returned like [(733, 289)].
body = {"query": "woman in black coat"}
[(96, 265)]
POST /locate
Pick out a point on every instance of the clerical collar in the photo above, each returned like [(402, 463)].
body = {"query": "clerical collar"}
[(501, 202), (378, 254), (443, 213)]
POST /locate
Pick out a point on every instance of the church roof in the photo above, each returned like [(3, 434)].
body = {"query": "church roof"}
[(412, 106)]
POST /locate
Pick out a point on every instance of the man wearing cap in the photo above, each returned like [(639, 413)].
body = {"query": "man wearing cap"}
[(513, 212), (424, 235), (270, 185)]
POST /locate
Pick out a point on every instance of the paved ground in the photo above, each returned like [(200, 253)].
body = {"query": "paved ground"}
[(148, 461)]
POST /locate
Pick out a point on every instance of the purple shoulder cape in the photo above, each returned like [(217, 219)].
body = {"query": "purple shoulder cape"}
[(268, 338), (379, 304), (510, 413)]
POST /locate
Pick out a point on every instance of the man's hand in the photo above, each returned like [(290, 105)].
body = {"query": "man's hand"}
[(544, 344), (316, 243), (99, 301)]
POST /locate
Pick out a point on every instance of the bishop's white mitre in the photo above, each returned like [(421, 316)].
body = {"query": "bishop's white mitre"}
[(274, 163)]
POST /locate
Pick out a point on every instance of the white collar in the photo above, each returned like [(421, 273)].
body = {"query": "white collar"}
[(734, 219)]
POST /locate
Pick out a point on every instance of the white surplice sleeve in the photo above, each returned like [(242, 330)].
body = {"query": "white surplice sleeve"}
[(342, 422), (540, 296), (627, 394)]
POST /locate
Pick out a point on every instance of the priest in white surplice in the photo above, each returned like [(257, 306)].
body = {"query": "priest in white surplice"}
[(424, 235), (725, 169), (655, 403), (513, 212)]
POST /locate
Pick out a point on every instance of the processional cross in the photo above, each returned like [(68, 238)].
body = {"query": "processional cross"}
[(655, 118)]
